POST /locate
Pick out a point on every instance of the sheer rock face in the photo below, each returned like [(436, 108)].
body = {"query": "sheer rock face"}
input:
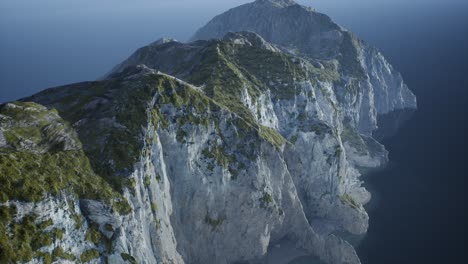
[(204, 152)]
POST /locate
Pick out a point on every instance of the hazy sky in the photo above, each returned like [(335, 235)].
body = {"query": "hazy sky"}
[(53, 42)]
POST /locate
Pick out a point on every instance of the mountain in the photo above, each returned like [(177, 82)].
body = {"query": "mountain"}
[(302, 31), (221, 150)]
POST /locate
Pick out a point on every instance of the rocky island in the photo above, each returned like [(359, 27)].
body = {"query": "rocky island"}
[(253, 133)]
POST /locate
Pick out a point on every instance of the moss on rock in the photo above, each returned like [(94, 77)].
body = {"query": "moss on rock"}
[(21, 240), (59, 253), (30, 176), (89, 255), (129, 258)]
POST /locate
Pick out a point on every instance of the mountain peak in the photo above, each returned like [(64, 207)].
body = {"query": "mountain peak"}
[(280, 3), (281, 22)]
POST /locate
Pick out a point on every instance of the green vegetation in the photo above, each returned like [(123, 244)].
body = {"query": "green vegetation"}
[(210, 167), (158, 119), (218, 154), (158, 177), (293, 139), (266, 199), (181, 134), (128, 257), (57, 233), (302, 116), (34, 124), (7, 213), (157, 223), (193, 119), (78, 220), (20, 241), (89, 255), (193, 105), (154, 207), (271, 135), (327, 71), (108, 228), (59, 253), (45, 257), (112, 149), (262, 66), (93, 234), (131, 185), (147, 180), (236, 67), (122, 206), (45, 224), (214, 223), (349, 200), (29, 176), (107, 243)]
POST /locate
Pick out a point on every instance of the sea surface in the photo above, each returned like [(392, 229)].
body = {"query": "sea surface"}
[(419, 214)]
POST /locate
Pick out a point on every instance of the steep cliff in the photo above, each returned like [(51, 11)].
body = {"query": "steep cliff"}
[(205, 152), (302, 31)]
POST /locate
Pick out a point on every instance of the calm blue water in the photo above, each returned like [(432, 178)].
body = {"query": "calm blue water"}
[(420, 216), (421, 213)]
